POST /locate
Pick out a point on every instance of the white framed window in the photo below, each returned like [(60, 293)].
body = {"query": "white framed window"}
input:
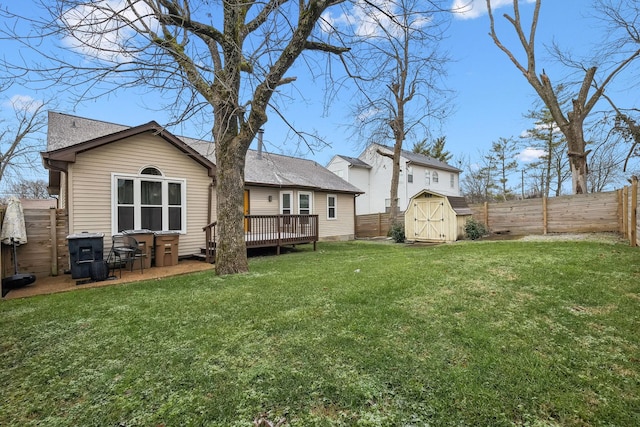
[(304, 203), (387, 205), (332, 206), (409, 174), (435, 177), (452, 180), (286, 203), (427, 178), (148, 200)]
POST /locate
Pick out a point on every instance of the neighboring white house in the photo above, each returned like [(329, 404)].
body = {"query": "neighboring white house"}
[(371, 172)]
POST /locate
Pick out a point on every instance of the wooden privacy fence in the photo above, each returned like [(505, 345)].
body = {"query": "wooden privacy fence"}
[(613, 211), (581, 213), (46, 252), (374, 225)]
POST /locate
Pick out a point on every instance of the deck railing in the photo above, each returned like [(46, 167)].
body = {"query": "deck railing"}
[(269, 231)]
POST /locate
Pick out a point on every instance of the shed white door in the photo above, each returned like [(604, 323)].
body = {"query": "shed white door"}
[(429, 219)]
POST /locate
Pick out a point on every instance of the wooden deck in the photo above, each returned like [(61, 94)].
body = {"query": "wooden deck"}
[(268, 231)]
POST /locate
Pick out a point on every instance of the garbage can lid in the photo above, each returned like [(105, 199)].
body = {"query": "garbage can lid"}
[(165, 233), (141, 231), (85, 235)]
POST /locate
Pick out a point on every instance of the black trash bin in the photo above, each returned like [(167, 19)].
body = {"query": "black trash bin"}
[(84, 249)]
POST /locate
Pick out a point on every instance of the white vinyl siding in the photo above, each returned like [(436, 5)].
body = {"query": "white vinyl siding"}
[(341, 229)]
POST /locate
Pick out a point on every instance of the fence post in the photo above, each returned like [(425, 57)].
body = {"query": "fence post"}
[(620, 224), (634, 212), (625, 211), (486, 215), (53, 233), (545, 220)]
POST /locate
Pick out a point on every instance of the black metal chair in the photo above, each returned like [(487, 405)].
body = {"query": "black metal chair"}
[(125, 250)]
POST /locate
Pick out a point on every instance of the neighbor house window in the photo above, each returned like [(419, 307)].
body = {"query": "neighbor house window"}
[(286, 199), (332, 204), (387, 205), (149, 201), (427, 178), (304, 203), (435, 177), (409, 174), (452, 180)]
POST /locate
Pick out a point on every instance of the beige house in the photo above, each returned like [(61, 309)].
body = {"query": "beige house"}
[(112, 178), (434, 217)]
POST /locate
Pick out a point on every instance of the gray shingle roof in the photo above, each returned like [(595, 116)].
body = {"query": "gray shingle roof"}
[(422, 160), (355, 161), (65, 130), (268, 169)]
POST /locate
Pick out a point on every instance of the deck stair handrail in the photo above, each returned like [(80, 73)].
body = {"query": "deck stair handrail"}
[(210, 239), (269, 231)]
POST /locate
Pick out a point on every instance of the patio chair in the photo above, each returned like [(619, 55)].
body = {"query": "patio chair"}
[(125, 250)]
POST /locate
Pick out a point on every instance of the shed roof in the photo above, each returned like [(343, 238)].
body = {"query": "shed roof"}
[(68, 133), (457, 203)]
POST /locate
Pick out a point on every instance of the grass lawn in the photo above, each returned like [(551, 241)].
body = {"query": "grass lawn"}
[(357, 333)]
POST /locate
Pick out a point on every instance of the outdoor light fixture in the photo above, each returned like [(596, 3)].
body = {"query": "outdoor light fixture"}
[(270, 198)]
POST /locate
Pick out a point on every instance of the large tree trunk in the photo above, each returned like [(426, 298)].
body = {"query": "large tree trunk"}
[(231, 254), (395, 179), (577, 152)]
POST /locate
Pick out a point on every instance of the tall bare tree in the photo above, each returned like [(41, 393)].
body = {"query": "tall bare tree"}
[(21, 138), (399, 65), (226, 57), (589, 91), (29, 189)]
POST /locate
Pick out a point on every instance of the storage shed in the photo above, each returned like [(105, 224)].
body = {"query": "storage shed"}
[(433, 217)]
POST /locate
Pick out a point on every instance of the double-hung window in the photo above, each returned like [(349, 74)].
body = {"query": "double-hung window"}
[(286, 203), (149, 201), (304, 203), (332, 206)]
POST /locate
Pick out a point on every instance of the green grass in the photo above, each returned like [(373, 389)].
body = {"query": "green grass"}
[(357, 333)]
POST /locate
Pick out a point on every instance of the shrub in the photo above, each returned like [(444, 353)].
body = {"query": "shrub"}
[(396, 232), (474, 229)]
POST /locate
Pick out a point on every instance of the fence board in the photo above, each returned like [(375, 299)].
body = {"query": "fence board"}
[(374, 225), (36, 256), (581, 213)]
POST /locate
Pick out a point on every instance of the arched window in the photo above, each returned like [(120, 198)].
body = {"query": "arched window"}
[(435, 177), (150, 170)]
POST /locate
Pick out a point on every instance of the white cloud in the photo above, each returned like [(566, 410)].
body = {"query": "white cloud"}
[(101, 29), (23, 103), (471, 9), (530, 155), (368, 21)]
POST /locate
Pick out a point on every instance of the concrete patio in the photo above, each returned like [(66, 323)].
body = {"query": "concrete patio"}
[(64, 282)]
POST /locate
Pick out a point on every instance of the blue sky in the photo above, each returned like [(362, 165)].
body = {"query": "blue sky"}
[(491, 95)]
